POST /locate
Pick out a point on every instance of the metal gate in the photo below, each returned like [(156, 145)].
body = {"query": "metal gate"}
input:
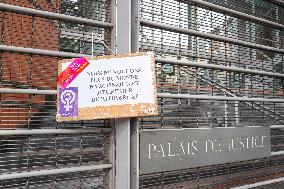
[(219, 64), (35, 151)]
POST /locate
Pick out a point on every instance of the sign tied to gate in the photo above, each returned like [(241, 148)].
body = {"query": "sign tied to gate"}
[(107, 87)]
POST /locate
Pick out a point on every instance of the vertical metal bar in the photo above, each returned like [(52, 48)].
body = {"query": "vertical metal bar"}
[(134, 152), (112, 145), (122, 126), (134, 147), (237, 116)]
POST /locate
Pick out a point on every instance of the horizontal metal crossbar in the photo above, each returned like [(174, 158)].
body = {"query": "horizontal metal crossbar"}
[(186, 31), (277, 153), (220, 98), (161, 60), (53, 15), (51, 131), (161, 95), (258, 184), (40, 52), (219, 67), (276, 126), (228, 11), (26, 174), (27, 91)]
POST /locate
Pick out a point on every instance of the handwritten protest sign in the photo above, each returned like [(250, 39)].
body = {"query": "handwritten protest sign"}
[(109, 87)]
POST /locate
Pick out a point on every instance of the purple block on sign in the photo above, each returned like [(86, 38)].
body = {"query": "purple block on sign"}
[(68, 102)]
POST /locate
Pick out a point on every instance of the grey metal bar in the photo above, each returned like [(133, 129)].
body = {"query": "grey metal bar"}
[(161, 95), (219, 8), (219, 67), (207, 35), (276, 126), (162, 60), (122, 125), (220, 98), (135, 155), (277, 153), (51, 131), (258, 184), (134, 122), (26, 174), (40, 52), (53, 15), (27, 91)]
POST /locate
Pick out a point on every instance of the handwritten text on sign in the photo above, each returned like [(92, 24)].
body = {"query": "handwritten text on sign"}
[(173, 149), (115, 86)]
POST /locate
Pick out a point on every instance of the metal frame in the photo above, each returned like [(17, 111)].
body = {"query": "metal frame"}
[(220, 98), (160, 95), (186, 31), (26, 174), (41, 52), (122, 125), (53, 15), (135, 131), (125, 158), (161, 60), (238, 14), (277, 153), (219, 67), (52, 131)]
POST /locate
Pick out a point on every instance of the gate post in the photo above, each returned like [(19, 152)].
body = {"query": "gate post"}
[(127, 132), (122, 125), (134, 147)]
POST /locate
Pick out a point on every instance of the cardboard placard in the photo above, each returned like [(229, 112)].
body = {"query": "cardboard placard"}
[(110, 87)]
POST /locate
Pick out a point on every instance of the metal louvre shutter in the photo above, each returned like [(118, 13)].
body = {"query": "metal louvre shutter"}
[(222, 55), (35, 151)]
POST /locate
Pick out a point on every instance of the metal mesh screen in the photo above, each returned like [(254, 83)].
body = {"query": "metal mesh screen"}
[(31, 153), (173, 44)]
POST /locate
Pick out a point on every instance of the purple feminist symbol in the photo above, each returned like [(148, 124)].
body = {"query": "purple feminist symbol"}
[(68, 101)]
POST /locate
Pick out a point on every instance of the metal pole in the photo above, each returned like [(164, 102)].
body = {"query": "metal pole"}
[(41, 52), (276, 126), (208, 35), (122, 125), (228, 11), (161, 60), (26, 174), (11, 132), (218, 67), (53, 15), (135, 131), (278, 153), (161, 95), (220, 98), (27, 91)]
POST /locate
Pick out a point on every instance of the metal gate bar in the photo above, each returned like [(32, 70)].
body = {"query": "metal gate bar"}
[(160, 95), (53, 171), (160, 60), (52, 15), (187, 31), (237, 13)]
